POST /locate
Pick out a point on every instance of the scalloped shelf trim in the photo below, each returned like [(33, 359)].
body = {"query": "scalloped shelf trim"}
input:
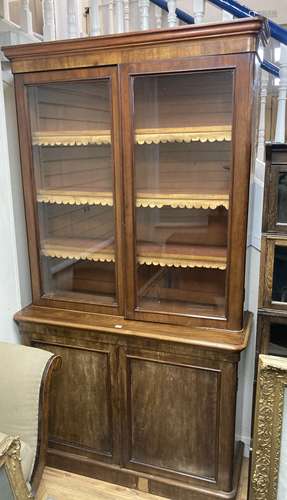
[(169, 262), (201, 201), (179, 201), (187, 134), (68, 138), (142, 136), (74, 255), (74, 198), (77, 249)]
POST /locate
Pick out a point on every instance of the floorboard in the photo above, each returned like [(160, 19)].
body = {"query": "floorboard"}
[(59, 485)]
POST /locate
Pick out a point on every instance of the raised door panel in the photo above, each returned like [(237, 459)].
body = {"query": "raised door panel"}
[(172, 417), (81, 410)]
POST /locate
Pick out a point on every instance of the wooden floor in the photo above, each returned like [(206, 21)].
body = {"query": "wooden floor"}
[(59, 485)]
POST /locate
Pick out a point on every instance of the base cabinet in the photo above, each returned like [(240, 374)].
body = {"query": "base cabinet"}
[(156, 415)]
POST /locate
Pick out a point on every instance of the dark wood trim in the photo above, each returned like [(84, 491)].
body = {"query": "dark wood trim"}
[(53, 364), (242, 135), (249, 26), (206, 338), (69, 75), (26, 157)]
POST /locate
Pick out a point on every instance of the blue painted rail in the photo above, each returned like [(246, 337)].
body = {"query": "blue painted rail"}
[(240, 11)]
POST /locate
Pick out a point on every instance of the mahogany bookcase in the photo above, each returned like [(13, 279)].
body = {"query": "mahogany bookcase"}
[(135, 154)]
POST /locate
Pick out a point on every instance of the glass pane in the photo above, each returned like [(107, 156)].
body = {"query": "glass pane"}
[(278, 339), (71, 133), (183, 161), (282, 198), (279, 290)]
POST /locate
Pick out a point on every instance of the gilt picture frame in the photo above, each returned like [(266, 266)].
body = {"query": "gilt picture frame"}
[(12, 482), (268, 457)]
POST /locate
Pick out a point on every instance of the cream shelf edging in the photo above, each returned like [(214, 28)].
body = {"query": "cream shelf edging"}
[(187, 134), (70, 138), (102, 252), (174, 200), (77, 255), (144, 199), (142, 136), (76, 250), (74, 197), (182, 262)]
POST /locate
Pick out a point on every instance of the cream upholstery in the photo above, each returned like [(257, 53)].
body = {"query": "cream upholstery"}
[(21, 370)]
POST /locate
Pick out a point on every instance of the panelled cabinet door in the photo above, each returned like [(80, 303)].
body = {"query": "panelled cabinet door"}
[(83, 415), (184, 173), (74, 144), (176, 412)]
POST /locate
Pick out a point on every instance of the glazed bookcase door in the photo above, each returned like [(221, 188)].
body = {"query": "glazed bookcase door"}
[(181, 176), (72, 127)]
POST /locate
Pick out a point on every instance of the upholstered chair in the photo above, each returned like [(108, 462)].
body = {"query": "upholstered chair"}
[(25, 377)]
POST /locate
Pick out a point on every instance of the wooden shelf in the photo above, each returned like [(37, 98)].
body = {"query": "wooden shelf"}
[(185, 134), (149, 254), (143, 136), (182, 200), (73, 197), (181, 255), (78, 249), (71, 138), (144, 199)]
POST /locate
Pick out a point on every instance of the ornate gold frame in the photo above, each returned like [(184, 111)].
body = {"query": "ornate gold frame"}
[(11, 461), (271, 384)]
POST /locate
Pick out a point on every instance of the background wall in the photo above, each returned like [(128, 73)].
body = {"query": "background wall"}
[(15, 291)]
